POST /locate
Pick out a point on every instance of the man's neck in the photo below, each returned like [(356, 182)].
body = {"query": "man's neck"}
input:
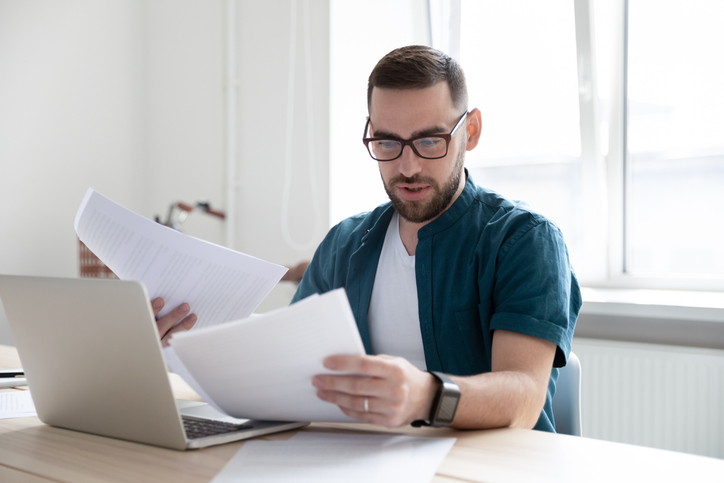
[(408, 234)]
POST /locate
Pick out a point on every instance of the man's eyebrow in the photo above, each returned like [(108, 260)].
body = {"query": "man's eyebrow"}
[(423, 132)]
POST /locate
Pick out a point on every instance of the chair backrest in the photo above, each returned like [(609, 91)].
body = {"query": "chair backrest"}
[(567, 399)]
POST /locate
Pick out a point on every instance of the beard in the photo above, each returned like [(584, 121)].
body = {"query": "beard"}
[(426, 210)]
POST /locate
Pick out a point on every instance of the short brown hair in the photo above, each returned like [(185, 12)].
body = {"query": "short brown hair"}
[(418, 67)]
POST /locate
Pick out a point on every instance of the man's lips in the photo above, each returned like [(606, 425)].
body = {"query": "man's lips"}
[(412, 191)]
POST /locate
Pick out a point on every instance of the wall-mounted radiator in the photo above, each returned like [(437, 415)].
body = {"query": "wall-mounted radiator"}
[(653, 395)]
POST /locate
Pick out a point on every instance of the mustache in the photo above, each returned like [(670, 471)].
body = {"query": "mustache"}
[(413, 180)]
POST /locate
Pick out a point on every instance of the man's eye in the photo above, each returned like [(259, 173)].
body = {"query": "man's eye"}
[(426, 143), (387, 144)]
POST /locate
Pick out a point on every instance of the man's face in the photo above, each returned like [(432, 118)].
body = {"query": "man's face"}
[(420, 189)]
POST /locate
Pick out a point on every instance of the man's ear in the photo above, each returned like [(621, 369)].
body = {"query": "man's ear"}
[(473, 129)]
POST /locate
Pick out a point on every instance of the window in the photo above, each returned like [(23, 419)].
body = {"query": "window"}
[(607, 116), (520, 63), (634, 176), (674, 165)]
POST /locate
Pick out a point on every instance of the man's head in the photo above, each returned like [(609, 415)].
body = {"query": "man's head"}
[(417, 67), (418, 91)]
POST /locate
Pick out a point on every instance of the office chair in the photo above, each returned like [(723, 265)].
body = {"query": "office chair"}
[(567, 399)]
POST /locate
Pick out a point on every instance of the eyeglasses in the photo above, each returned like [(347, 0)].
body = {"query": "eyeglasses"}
[(427, 147)]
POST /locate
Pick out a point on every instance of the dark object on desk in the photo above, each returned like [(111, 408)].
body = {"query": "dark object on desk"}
[(11, 374)]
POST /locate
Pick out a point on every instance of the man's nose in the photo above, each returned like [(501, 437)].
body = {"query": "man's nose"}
[(409, 162)]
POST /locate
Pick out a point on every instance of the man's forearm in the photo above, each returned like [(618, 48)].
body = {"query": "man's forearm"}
[(498, 399), (513, 394)]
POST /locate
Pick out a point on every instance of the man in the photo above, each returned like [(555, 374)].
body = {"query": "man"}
[(447, 277)]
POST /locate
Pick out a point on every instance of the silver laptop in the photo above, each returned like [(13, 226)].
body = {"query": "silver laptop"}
[(92, 357)]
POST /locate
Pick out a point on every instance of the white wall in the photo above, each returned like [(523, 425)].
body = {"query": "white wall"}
[(264, 54), (70, 117), (128, 97), (184, 109)]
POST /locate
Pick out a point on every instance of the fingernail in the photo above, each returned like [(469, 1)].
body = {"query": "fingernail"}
[(157, 303), (191, 319), (184, 307)]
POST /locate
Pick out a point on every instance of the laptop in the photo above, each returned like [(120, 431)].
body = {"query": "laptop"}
[(92, 357)]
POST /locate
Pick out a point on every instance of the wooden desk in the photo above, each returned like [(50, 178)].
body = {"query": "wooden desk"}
[(32, 452)]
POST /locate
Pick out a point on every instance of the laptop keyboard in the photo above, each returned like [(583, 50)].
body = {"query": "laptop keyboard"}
[(200, 428)]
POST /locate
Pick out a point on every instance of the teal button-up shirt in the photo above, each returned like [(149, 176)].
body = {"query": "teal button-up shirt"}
[(486, 263)]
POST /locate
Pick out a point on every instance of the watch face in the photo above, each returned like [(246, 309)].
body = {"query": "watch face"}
[(446, 410), (446, 401)]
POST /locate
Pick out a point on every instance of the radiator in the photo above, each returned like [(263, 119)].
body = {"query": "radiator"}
[(653, 395)]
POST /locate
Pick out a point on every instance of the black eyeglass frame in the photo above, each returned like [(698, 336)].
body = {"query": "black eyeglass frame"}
[(409, 142)]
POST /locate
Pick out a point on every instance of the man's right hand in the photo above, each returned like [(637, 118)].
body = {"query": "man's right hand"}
[(167, 324)]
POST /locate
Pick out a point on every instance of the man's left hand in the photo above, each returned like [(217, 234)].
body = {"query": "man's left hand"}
[(386, 391)]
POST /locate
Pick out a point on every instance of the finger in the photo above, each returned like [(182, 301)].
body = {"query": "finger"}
[(352, 403), (157, 304), (376, 366), (354, 385), (376, 418), (183, 326), (353, 406), (172, 318)]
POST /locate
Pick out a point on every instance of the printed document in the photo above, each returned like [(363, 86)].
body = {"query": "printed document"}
[(320, 457), (262, 367), (16, 404), (218, 283)]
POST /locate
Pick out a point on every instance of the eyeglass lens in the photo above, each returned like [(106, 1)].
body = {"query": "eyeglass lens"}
[(429, 147)]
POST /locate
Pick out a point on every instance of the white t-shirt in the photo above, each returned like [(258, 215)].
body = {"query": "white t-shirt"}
[(393, 315)]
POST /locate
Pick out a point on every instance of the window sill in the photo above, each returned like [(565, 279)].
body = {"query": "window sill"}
[(671, 317)]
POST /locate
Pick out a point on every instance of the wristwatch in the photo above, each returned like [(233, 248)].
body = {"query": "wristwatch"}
[(444, 404)]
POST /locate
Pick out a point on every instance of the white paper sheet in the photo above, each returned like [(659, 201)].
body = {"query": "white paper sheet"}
[(219, 284), (329, 457), (262, 368), (16, 404), (176, 365)]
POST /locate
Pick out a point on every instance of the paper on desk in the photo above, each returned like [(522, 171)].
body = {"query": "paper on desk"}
[(219, 284), (262, 367), (329, 457), (16, 404)]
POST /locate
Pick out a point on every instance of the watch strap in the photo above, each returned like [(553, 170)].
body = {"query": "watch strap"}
[(444, 404)]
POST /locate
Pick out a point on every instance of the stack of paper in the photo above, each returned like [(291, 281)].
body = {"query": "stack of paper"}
[(218, 283), (262, 367), (257, 368), (329, 457)]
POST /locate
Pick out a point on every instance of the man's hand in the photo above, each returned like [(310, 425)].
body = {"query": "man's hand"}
[(166, 323), (295, 273), (395, 391)]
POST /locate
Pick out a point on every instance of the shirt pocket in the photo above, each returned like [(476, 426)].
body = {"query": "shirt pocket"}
[(476, 347)]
